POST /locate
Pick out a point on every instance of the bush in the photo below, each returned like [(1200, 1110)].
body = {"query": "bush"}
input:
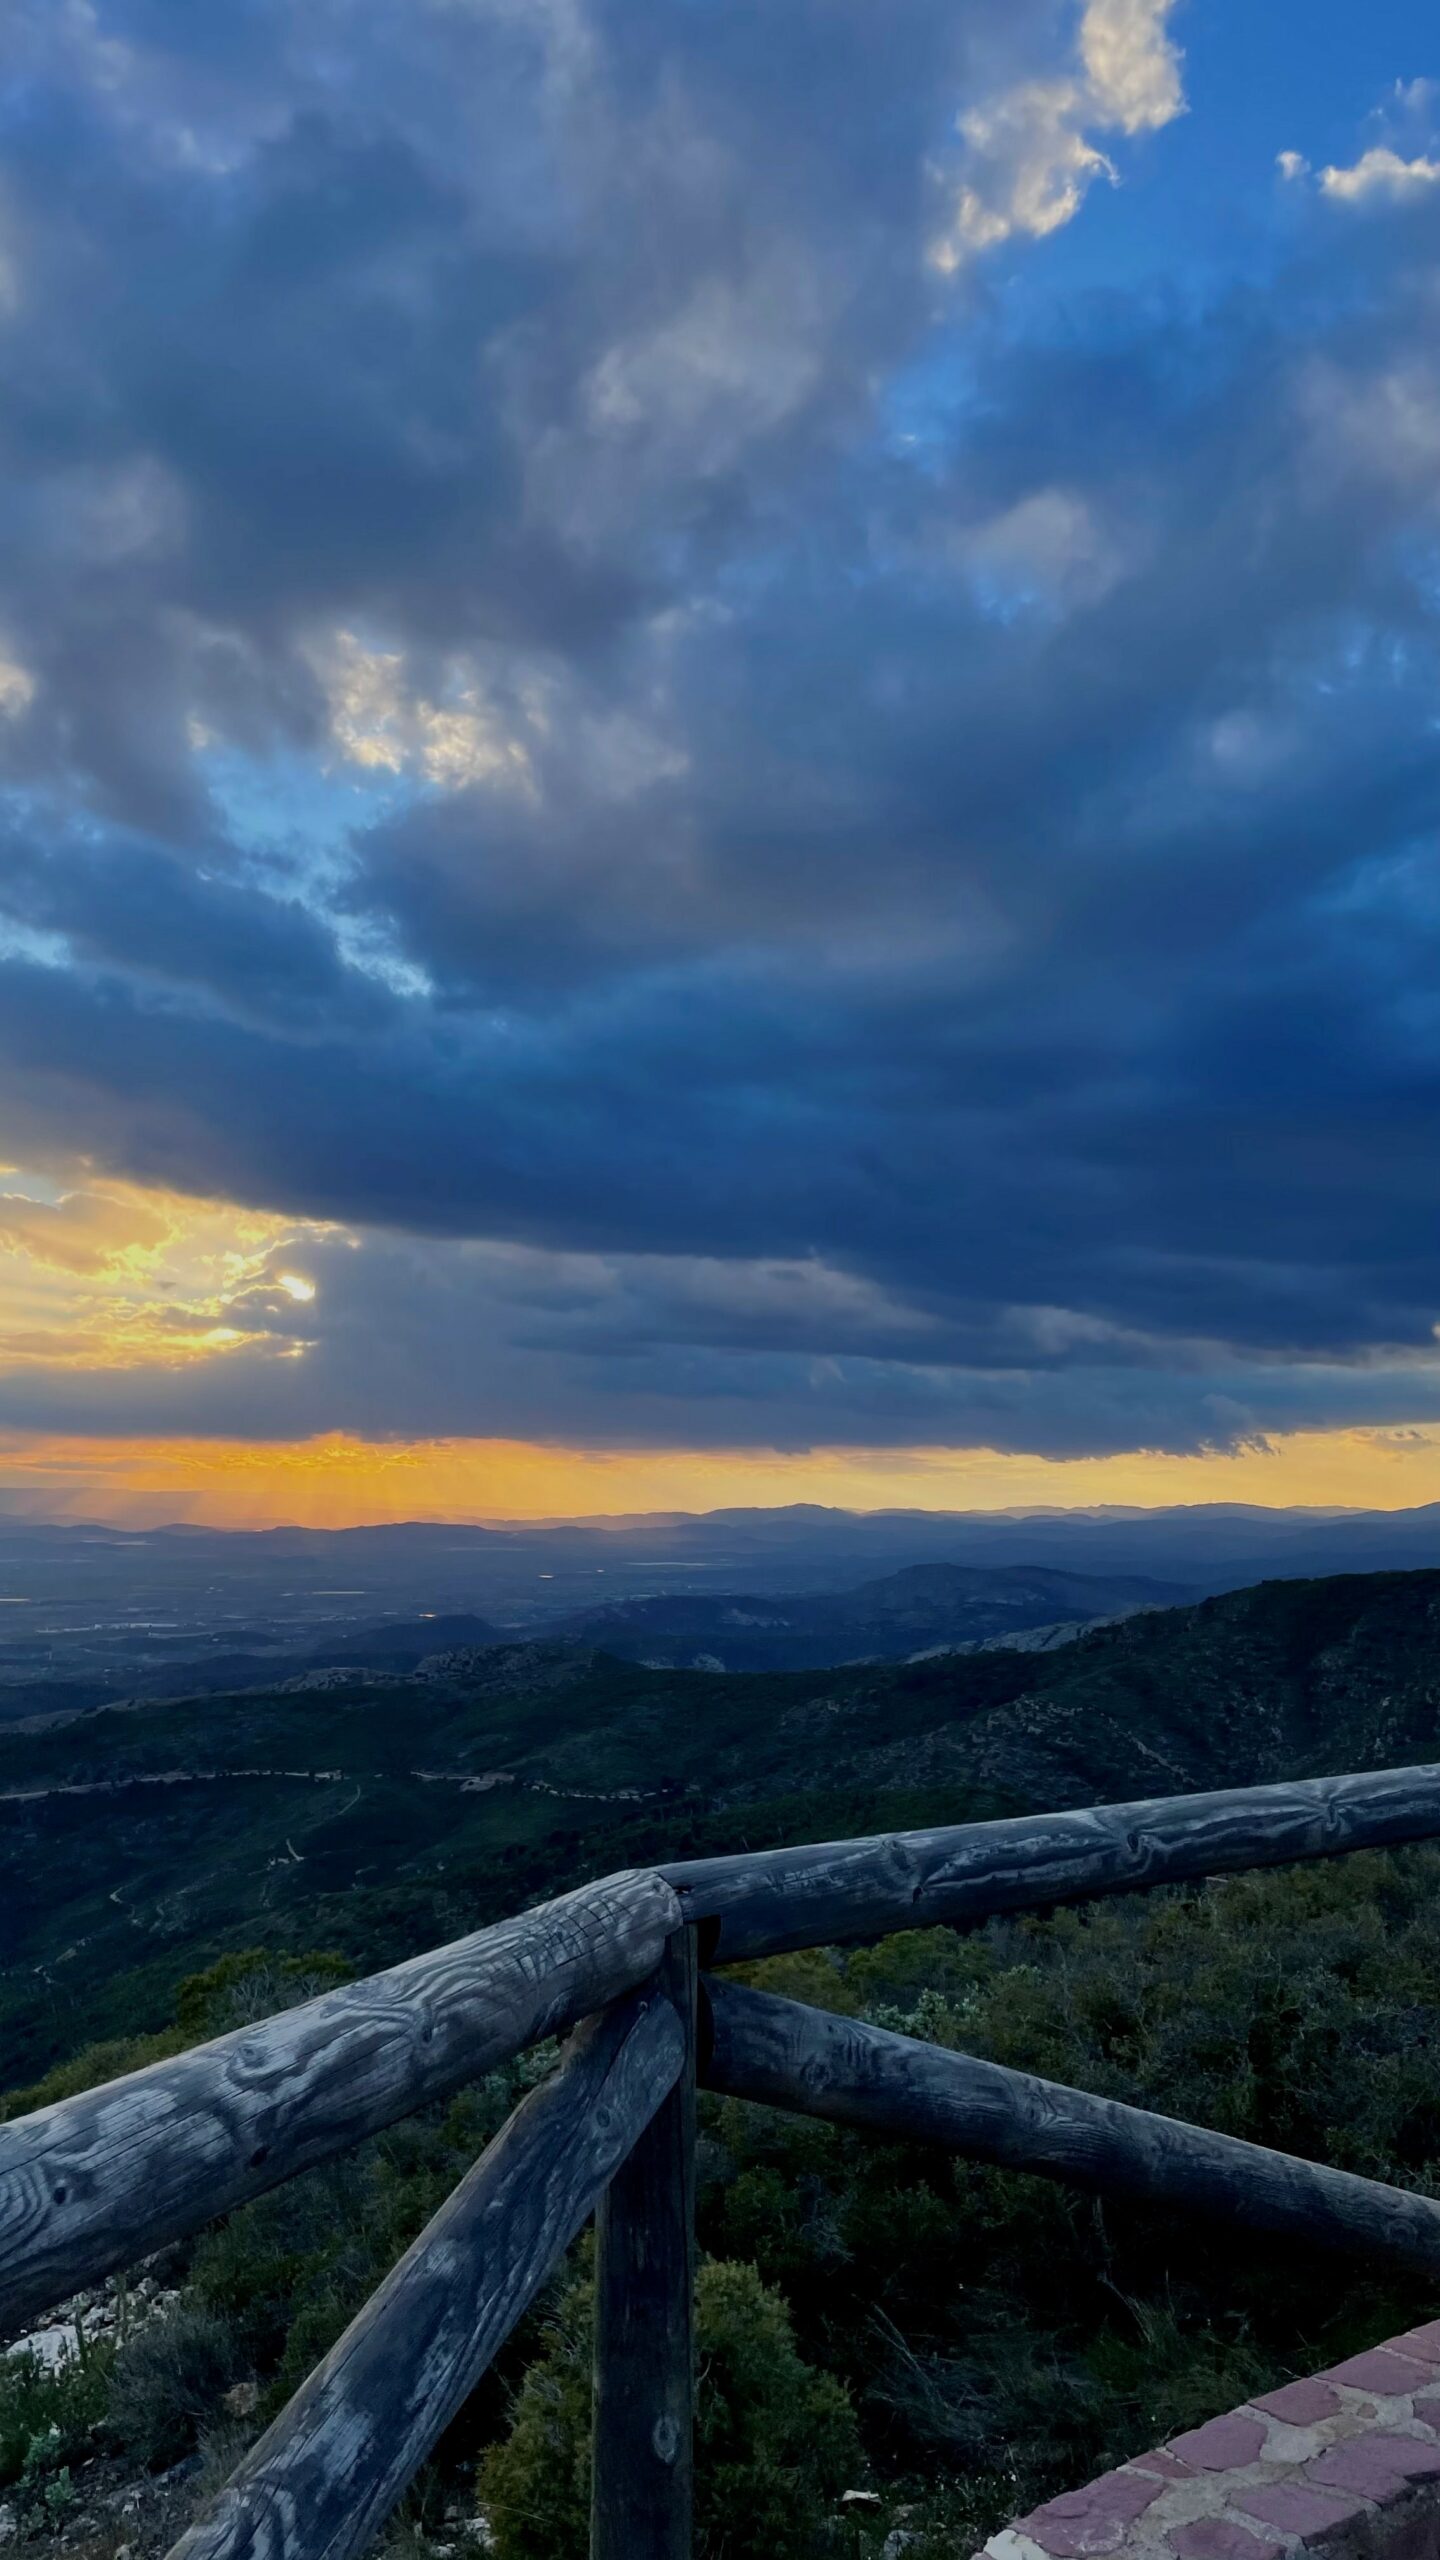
[(775, 2440), (87, 2069), (168, 2382), (44, 2492), (47, 2418), (254, 1983)]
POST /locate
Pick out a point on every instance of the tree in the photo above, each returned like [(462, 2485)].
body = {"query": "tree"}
[(775, 2440)]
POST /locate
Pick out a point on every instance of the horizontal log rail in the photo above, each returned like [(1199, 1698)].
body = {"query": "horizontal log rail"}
[(101, 2179), (777, 1900), (817, 2064)]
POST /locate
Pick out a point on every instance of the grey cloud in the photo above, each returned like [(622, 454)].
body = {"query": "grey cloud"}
[(408, 1339), (995, 870)]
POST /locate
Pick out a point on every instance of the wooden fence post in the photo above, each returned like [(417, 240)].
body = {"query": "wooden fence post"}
[(642, 2496)]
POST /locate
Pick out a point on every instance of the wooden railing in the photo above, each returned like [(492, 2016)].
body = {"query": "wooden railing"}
[(99, 2180)]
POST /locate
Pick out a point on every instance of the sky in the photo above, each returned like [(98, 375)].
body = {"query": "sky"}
[(719, 755)]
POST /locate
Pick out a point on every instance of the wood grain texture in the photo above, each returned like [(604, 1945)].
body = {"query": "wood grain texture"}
[(777, 1899), (816, 2064), (642, 2491), (94, 2182), (323, 2478)]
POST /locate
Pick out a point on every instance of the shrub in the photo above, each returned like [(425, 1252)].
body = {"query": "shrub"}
[(234, 1992), (254, 1983), (775, 2440), (168, 2381), (56, 2411), (44, 2492)]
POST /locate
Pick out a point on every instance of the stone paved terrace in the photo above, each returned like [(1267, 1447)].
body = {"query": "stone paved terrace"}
[(1347, 2461)]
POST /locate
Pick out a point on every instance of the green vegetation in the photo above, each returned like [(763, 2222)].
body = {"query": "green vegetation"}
[(775, 2442), (47, 2422), (252, 1983)]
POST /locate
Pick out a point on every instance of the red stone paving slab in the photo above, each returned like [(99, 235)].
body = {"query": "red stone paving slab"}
[(1377, 2465), (1378, 2370), (1414, 2457), (1349, 2482), (1293, 2509), (1093, 2519), (1300, 2404), (1216, 2538), (1222, 2444)]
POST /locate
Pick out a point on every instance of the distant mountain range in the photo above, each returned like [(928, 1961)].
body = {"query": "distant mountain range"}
[(799, 1546)]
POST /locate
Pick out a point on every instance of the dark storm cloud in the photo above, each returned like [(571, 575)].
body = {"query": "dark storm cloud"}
[(859, 784)]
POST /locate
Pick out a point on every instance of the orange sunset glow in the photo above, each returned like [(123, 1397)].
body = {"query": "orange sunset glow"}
[(334, 1481)]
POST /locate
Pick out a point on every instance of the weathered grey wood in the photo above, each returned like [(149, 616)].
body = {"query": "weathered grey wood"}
[(816, 2064), (642, 2495), (96, 2181), (777, 1899), (323, 2478)]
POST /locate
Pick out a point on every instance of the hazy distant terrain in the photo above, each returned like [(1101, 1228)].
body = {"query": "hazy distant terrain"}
[(90, 1612)]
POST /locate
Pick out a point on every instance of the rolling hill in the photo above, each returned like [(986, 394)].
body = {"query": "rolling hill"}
[(925, 1608)]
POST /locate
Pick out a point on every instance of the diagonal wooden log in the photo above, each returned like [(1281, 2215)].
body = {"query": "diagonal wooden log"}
[(94, 2182), (765, 1903), (816, 2064), (324, 2477)]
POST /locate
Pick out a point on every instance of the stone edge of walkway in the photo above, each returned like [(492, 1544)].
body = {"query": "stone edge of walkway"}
[(1347, 2461)]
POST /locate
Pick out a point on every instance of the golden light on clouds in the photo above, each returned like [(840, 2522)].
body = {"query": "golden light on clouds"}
[(104, 1275)]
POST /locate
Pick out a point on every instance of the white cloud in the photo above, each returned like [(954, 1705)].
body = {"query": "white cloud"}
[(1030, 150), (378, 721), (1132, 67), (1380, 173), (1292, 165), (526, 728), (1038, 170)]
